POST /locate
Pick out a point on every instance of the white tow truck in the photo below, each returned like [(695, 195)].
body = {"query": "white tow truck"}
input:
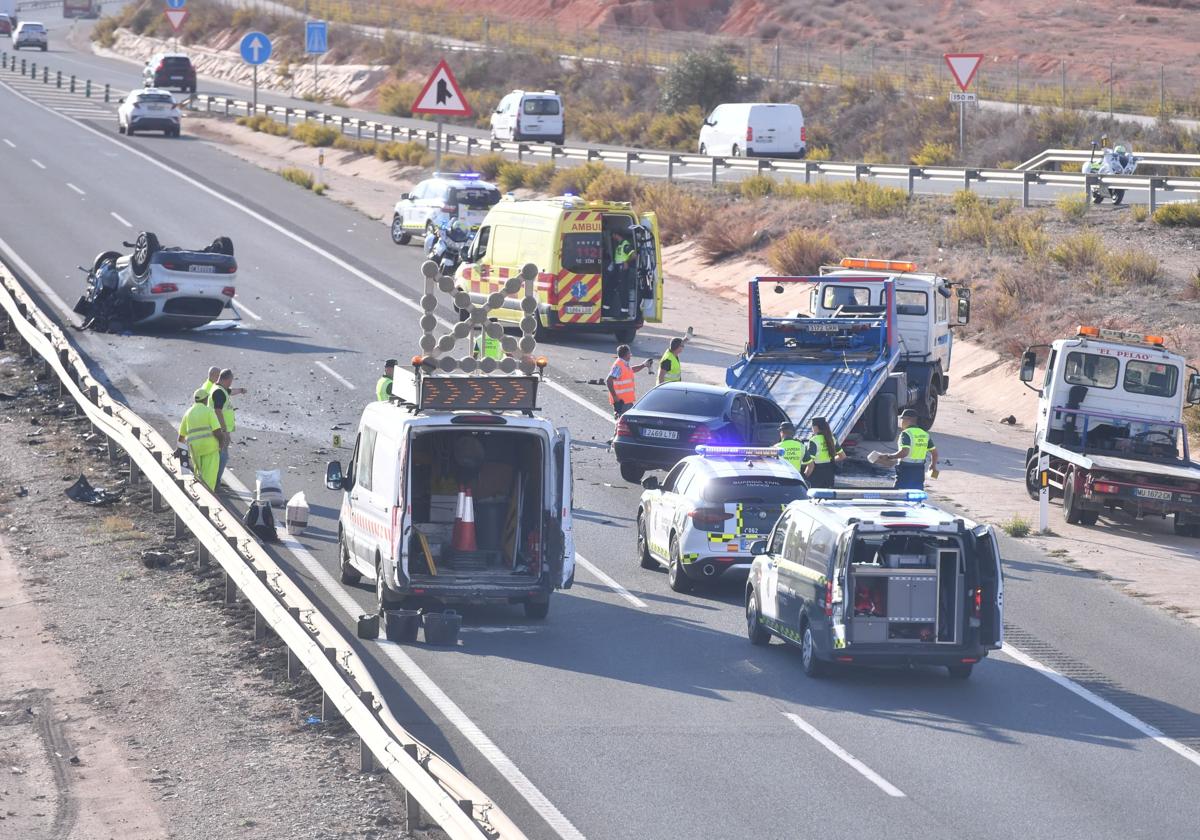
[(460, 431), (1110, 432)]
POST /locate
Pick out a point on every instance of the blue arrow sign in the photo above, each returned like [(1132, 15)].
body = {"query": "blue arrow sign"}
[(316, 37), (176, 4), (255, 47)]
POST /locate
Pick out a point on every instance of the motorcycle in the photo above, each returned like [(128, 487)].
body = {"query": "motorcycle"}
[(447, 246), (1115, 161)]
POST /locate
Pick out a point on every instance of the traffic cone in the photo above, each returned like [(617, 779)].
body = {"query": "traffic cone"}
[(463, 538)]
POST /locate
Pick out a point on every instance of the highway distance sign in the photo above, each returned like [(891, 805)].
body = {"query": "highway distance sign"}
[(957, 96)]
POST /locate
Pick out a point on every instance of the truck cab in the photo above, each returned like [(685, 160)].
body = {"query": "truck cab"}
[(928, 307)]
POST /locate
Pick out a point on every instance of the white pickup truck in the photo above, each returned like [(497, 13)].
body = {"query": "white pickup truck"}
[(1110, 425)]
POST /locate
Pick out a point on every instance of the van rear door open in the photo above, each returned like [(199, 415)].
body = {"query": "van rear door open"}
[(652, 311), (563, 478), (991, 583)]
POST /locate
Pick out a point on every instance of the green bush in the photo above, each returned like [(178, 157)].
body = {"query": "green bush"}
[(934, 154), (1179, 214), (802, 252), (1017, 527), (700, 78), (315, 134)]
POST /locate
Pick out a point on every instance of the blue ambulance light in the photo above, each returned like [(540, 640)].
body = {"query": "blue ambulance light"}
[(822, 494), (917, 496), (739, 451), (457, 176), (890, 495)]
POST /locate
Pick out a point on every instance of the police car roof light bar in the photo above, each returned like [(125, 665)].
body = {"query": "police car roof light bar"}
[(458, 176), (705, 451), (888, 495)]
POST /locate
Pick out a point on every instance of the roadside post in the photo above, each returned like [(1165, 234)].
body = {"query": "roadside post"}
[(963, 67), (256, 49), (441, 97), (316, 44), (320, 166), (1044, 492), (176, 14)]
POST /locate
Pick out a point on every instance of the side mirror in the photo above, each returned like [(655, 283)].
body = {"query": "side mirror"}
[(334, 479), (964, 310), (1028, 365), (758, 547), (650, 482), (1193, 392)]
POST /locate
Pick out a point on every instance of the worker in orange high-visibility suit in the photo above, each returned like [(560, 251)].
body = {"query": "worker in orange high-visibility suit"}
[(621, 392)]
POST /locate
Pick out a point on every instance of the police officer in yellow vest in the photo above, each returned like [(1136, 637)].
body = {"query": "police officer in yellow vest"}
[(383, 388), (914, 446), (199, 431), (822, 454), (220, 401), (668, 365), (487, 347), (793, 450)]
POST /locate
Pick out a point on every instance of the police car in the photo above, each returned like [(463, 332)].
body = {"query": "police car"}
[(437, 200), (701, 521)]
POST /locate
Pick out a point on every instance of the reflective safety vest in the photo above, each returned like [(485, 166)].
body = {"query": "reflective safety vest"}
[(819, 452), (228, 412), (208, 386), (671, 373), (917, 441), (622, 371), (197, 429), (492, 348), (383, 388), (794, 452), (624, 252)]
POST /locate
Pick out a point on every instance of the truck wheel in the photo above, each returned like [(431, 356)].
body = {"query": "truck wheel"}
[(645, 558), (961, 671), (885, 417), (347, 573), (632, 473), (625, 335), (1073, 510), (1183, 527), (931, 409), (755, 632), (537, 610), (677, 578), (1033, 477), (813, 667)]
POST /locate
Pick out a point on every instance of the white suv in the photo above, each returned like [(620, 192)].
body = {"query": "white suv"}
[(710, 509), (436, 200), (30, 34), (149, 109)]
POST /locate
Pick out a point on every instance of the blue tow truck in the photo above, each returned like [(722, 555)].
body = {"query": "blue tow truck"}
[(849, 368)]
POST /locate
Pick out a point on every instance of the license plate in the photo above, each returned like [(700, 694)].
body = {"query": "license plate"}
[(667, 434), (202, 269), (156, 107), (579, 310), (823, 328), (1163, 495)]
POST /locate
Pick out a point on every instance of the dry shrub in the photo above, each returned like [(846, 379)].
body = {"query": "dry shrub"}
[(680, 212), (1081, 250), (1139, 212), (488, 165), (351, 144), (934, 154), (1132, 267), (613, 185), (802, 252), (315, 134), (1178, 214), (1073, 207), (511, 176), (457, 163), (297, 176), (724, 238), (756, 186), (819, 153), (264, 124), (576, 179), (540, 176)]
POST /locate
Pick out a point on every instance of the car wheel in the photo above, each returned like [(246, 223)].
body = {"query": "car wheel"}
[(961, 671), (560, 140), (129, 130), (120, 127), (755, 632), (703, 149), (632, 473), (645, 558), (677, 578), (384, 596), (735, 151), (399, 235), (537, 610), (348, 573), (145, 247), (812, 665), (625, 335)]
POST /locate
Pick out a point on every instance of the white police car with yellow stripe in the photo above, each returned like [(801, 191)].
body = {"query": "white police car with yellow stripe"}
[(701, 521)]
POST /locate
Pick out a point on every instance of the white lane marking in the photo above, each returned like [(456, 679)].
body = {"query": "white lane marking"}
[(10, 143), (119, 219), (239, 305), (38, 163), (290, 234), (1120, 714), (457, 717), (609, 582), (72, 186), (335, 375), (867, 773)]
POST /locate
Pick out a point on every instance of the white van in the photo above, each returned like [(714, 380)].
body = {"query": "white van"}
[(738, 129), (529, 115)]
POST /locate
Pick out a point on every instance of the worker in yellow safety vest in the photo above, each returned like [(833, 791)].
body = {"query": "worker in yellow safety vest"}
[(914, 447), (220, 400), (214, 373), (668, 365), (487, 347), (383, 388), (824, 452), (793, 450), (198, 431), (621, 393)]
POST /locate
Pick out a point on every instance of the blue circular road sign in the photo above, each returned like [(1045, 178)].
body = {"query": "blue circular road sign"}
[(255, 47), (176, 4)]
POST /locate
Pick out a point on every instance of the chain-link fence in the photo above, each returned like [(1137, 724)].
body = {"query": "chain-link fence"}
[(1106, 86)]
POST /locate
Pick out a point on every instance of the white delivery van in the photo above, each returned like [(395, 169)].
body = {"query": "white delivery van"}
[(529, 115), (746, 129)]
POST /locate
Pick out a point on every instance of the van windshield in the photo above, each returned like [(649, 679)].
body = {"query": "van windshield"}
[(541, 107), (753, 489)]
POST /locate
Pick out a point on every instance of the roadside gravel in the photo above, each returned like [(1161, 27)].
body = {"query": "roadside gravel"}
[(150, 681)]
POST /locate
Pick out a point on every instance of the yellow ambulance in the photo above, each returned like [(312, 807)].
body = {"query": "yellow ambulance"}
[(599, 264)]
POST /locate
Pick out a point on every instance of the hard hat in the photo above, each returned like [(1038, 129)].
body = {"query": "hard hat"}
[(1120, 150), (200, 395)]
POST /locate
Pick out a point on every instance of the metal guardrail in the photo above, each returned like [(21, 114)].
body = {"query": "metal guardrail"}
[(1084, 155), (430, 783)]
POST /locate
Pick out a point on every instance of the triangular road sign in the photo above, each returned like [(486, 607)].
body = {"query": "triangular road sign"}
[(441, 95), (963, 67), (176, 17)]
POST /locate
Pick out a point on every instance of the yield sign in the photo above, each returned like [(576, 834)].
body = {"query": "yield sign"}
[(176, 17), (441, 95), (963, 66)]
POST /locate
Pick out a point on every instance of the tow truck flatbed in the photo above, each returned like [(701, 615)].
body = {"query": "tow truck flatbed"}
[(1096, 461)]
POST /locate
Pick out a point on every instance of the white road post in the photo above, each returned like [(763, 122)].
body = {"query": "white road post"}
[(437, 155), (1044, 493)]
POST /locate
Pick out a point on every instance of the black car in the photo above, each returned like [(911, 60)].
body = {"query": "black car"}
[(170, 70), (673, 419)]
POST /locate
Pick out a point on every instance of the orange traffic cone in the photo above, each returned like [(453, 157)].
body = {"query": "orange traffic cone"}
[(463, 538)]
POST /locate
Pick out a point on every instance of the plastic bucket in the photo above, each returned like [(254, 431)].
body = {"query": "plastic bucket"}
[(441, 628), (402, 625)]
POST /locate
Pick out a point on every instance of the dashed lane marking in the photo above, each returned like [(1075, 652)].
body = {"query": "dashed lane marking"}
[(335, 375)]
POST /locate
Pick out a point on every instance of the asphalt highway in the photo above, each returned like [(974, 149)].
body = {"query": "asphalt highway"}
[(68, 53), (631, 712)]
